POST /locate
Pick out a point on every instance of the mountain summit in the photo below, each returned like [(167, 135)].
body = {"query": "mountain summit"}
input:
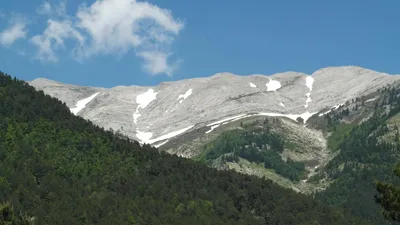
[(157, 114)]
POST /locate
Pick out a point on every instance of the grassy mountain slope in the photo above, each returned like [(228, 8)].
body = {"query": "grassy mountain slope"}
[(62, 169)]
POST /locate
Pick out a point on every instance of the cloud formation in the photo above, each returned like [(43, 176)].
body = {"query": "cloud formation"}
[(16, 30), (110, 27), (157, 62), (50, 10), (53, 38)]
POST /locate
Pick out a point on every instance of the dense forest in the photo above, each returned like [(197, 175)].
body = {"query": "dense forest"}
[(257, 144), (363, 158), (61, 169), (389, 197)]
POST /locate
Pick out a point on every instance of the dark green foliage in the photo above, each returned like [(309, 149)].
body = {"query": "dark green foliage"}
[(362, 160), (389, 197), (9, 217), (256, 145), (230, 158), (62, 169), (339, 132)]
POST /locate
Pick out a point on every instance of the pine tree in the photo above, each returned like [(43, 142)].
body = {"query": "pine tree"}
[(389, 198)]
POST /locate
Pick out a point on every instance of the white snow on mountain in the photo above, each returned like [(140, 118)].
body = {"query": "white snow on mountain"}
[(184, 96), (219, 99), (273, 85), (81, 104)]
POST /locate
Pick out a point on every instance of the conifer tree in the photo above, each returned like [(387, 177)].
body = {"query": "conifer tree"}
[(389, 197)]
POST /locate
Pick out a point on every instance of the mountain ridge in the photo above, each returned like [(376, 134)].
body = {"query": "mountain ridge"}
[(154, 114), (220, 73)]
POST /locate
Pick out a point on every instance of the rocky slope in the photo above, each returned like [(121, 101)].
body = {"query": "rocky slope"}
[(184, 116), (156, 114)]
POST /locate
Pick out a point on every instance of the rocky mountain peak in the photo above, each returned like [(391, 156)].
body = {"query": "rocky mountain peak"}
[(156, 114)]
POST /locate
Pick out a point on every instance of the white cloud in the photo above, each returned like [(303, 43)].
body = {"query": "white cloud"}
[(54, 37), (50, 9), (44, 9), (112, 27), (157, 62), (15, 31)]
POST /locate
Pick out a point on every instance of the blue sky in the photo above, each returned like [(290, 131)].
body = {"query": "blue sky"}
[(126, 42)]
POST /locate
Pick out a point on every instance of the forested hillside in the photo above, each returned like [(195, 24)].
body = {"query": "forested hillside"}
[(368, 151), (255, 143), (62, 169)]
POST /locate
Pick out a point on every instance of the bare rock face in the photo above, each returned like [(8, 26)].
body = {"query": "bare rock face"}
[(155, 114)]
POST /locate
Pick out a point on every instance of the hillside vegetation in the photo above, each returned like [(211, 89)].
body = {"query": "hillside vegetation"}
[(256, 143), (368, 151), (62, 169), (360, 145)]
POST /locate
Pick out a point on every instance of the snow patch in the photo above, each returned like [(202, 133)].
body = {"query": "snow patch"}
[(330, 110), (144, 137), (160, 144), (337, 106), (371, 100), (324, 113), (309, 84), (143, 100), (252, 85), (184, 96), (273, 85), (212, 128), (308, 100), (226, 119), (240, 118), (170, 135), (305, 116), (81, 104), (136, 115)]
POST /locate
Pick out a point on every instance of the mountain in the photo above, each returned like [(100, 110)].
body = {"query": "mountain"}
[(156, 114), (182, 117), (364, 135), (330, 135), (58, 168)]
